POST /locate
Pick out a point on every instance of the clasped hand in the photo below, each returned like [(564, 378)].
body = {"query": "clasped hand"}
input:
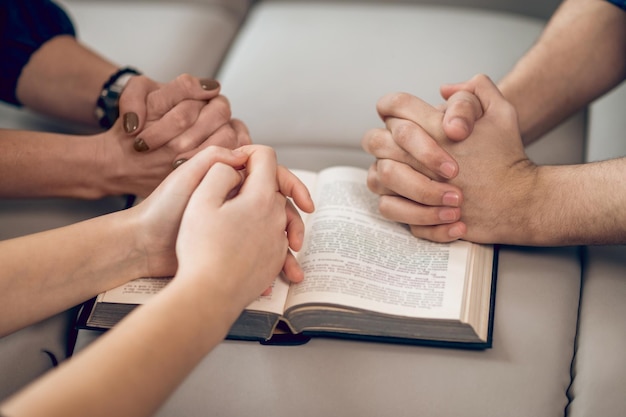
[(161, 126), (458, 171), (194, 227)]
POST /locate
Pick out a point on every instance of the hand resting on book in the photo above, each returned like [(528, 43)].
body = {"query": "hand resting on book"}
[(224, 251)]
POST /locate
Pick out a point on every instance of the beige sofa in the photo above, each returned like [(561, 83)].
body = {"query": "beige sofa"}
[(305, 77)]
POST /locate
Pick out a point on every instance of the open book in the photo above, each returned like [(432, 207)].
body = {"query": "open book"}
[(365, 277)]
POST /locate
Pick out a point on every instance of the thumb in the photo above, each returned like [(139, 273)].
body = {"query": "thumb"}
[(480, 85), (467, 103)]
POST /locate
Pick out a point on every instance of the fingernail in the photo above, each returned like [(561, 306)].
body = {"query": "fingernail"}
[(455, 232), (459, 123), (140, 145), (447, 169), (451, 199), (131, 122), (209, 84), (178, 163), (447, 215)]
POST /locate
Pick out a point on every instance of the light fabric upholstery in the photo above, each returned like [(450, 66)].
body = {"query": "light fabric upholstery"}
[(29, 353), (607, 125), (541, 9), (22, 357), (526, 373), (305, 77), (128, 32), (163, 39), (599, 370)]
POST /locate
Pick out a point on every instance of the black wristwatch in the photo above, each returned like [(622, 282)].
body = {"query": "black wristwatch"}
[(107, 107)]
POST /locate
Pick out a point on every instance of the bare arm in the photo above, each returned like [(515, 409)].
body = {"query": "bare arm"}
[(580, 56), (506, 198), (63, 267), (63, 78), (579, 204), (77, 261), (229, 250)]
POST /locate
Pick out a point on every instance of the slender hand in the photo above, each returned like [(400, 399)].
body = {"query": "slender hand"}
[(183, 115), (230, 248), (119, 247)]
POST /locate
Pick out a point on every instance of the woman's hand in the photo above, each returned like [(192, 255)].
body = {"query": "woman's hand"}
[(122, 170), (159, 216), (243, 240), (181, 114), (235, 218)]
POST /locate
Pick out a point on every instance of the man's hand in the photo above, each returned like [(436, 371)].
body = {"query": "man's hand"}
[(421, 139)]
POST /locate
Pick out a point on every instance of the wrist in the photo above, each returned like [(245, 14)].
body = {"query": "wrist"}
[(107, 106), (518, 220), (209, 299), (106, 168)]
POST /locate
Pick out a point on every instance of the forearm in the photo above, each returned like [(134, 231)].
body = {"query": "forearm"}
[(38, 164), (48, 272), (578, 204), (146, 357), (580, 56), (63, 78)]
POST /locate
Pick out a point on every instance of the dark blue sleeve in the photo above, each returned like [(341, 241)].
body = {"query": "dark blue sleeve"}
[(25, 25), (619, 3)]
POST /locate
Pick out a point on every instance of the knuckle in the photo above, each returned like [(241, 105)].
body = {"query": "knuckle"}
[(180, 145), (482, 78), (392, 102), (226, 137), (403, 134), (187, 82), (221, 108), (372, 180), (180, 119), (400, 100), (385, 205), (375, 141), (385, 171)]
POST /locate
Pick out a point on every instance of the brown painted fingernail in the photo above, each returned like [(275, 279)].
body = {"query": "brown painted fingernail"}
[(131, 122), (178, 163), (209, 84), (140, 145)]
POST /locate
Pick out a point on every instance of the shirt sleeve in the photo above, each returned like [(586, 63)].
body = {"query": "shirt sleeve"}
[(619, 3), (25, 25)]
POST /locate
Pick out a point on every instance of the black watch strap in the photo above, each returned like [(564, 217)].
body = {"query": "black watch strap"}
[(107, 107)]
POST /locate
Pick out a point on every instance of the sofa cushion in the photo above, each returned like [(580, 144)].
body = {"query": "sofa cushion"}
[(526, 373), (600, 367), (306, 76), (607, 124), (162, 38), (542, 9)]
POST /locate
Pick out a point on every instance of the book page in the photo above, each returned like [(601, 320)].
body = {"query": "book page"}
[(275, 301), (139, 291), (354, 257)]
